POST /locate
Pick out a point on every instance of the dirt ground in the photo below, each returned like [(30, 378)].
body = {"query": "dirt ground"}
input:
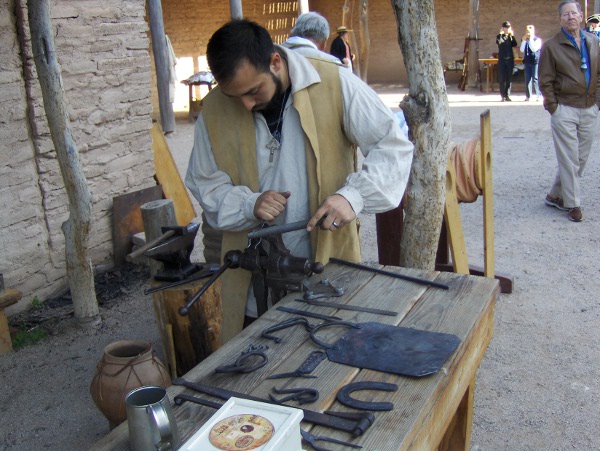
[(539, 383)]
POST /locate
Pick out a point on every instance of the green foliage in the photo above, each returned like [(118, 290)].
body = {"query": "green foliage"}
[(29, 337), (37, 305)]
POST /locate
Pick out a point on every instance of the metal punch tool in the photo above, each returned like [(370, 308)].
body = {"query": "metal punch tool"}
[(312, 440)]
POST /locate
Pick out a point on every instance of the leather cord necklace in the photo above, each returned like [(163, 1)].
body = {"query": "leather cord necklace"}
[(275, 143)]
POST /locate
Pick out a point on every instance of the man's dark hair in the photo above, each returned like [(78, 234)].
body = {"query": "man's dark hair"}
[(235, 42)]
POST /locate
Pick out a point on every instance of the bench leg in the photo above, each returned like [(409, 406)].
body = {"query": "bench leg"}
[(5, 341), (458, 434)]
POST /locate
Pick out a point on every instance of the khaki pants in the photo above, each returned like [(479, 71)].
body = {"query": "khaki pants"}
[(573, 133)]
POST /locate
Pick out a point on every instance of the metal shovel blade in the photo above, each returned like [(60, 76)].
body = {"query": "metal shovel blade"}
[(391, 349)]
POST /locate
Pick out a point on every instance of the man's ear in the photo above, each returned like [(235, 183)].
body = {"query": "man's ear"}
[(275, 62)]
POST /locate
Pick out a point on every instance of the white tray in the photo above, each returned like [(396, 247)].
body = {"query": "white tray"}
[(246, 425)]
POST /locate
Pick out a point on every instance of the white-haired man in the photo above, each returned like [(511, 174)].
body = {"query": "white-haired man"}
[(309, 35), (570, 83)]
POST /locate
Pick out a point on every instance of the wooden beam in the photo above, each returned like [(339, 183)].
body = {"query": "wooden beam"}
[(473, 57), (488, 193), (303, 7), (161, 62)]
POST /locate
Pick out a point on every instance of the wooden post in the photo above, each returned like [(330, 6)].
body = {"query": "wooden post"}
[(473, 57), (8, 297), (187, 340), (488, 193), (303, 7), (157, 214), (453, 224), (161, 62), (236, 9)]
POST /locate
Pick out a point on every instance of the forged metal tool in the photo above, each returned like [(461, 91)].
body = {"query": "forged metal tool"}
[(275, 271), (307, 367), (204, 271), (390, 349), (389, 273), (179, 399), (356, 425), (277, 230), (322, 289), (284, 325), (343, 395), (309, 314), (339, 305), (312, 440), (240, 366), (174, 253), (301, 395)]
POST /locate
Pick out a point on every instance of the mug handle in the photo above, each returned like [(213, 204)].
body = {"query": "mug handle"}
[(161, 420)]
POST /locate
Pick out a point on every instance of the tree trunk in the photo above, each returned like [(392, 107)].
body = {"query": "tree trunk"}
[(364, 39), (77, 227), (161, 64), (428, 115)]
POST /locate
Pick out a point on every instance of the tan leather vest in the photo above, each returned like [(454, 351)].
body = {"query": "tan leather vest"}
[(234, 149)]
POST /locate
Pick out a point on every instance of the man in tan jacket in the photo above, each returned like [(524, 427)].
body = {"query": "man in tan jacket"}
[(570, 83), (274, 143)]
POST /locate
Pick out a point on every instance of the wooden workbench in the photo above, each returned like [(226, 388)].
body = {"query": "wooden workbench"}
[(490, 70), (430, 412)]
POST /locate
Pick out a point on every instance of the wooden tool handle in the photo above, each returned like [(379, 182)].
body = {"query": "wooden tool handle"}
[(135, 254)]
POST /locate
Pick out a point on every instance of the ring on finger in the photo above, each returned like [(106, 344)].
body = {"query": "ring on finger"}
[(335, 224)]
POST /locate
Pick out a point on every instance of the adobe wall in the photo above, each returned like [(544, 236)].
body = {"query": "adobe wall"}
[(190, 23), (451, 21), (102, 48)]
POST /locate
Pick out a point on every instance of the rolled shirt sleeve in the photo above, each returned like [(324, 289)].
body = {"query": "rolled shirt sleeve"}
[(226, 206), (379, 185)]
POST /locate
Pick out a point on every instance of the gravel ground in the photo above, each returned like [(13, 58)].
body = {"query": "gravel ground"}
[(538, 385)]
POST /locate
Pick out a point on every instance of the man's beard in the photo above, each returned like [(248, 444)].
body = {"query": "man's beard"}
[(273, 105)]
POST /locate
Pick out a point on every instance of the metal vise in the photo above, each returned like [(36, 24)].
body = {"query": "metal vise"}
[(175, 252), (274, 270)]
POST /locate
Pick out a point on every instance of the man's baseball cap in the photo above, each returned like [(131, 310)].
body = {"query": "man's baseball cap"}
[(505, 24)]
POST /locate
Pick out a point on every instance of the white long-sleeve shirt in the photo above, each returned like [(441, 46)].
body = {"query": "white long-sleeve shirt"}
[(534, 43), (367, 122)]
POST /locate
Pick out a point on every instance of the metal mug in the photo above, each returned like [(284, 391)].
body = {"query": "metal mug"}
[(150, 420)]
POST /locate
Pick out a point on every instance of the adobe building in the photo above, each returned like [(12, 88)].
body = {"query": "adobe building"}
[(104, 50)]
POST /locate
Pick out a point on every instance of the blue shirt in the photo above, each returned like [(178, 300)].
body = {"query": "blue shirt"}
[(583, 53)]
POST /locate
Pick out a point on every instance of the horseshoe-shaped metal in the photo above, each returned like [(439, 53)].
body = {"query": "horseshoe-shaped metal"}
[(333, 323), (343, 395)]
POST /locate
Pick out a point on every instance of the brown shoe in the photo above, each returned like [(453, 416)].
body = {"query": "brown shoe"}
[(555, 202), (575, 214)]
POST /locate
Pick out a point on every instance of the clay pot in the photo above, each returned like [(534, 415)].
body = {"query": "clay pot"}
[(126, 365)]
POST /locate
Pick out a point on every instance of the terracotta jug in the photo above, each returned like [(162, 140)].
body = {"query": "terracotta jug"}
[(126, 365)]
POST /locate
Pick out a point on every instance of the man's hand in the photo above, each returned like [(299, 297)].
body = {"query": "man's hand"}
[(270, 204), (335, 211)]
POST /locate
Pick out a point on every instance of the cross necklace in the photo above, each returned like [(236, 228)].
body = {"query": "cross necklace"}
[(275, 142)]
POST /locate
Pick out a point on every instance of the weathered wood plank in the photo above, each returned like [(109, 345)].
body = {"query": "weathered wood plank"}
[(428, 401), (424, 407)]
